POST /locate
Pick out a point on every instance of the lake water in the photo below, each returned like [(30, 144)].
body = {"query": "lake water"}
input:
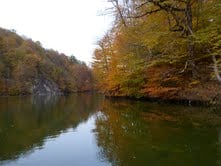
[(89, 130)]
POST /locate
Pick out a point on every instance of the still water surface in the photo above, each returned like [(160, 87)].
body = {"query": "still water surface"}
[(88, 130)]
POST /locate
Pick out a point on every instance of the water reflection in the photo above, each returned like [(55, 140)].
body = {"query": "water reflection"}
[(26, 122), (87, 129), (137, 133)]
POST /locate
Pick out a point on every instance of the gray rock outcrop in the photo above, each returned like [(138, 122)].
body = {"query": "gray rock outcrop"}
[(45, 87)]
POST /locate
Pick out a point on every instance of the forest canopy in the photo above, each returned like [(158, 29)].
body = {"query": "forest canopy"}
[(26, 67), (160, 48)]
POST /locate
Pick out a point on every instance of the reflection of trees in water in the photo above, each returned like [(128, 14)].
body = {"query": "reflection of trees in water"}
[(136, 133), (117, 129), (25, 122)]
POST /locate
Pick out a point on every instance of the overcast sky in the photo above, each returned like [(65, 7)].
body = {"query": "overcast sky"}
[(68, 26)]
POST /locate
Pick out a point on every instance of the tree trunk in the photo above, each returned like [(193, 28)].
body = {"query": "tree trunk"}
[(216, 70), (190, 44)]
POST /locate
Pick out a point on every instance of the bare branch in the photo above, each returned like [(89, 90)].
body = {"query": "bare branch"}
[(141, 5), (146, 13)]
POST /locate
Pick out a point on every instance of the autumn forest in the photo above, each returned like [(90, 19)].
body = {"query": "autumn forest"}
[(163, 49), (160, 49), (27, 68), (145, 91)]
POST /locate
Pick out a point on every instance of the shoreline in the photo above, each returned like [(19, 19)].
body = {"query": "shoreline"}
[(185, 102), (164, 100)]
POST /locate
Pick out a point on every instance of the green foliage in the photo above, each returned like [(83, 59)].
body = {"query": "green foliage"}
[(208, 38)]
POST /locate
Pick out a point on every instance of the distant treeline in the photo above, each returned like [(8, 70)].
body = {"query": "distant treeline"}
[(24, 63)]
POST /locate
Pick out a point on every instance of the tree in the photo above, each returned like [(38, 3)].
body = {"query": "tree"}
[(180, 19), (73, 59), (23, 63), (182, 37)]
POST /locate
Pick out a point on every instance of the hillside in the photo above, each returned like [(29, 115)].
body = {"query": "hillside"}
[(27, 68), (162, 49)]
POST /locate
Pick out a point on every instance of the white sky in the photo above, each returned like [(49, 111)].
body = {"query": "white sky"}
[(68, 26)]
